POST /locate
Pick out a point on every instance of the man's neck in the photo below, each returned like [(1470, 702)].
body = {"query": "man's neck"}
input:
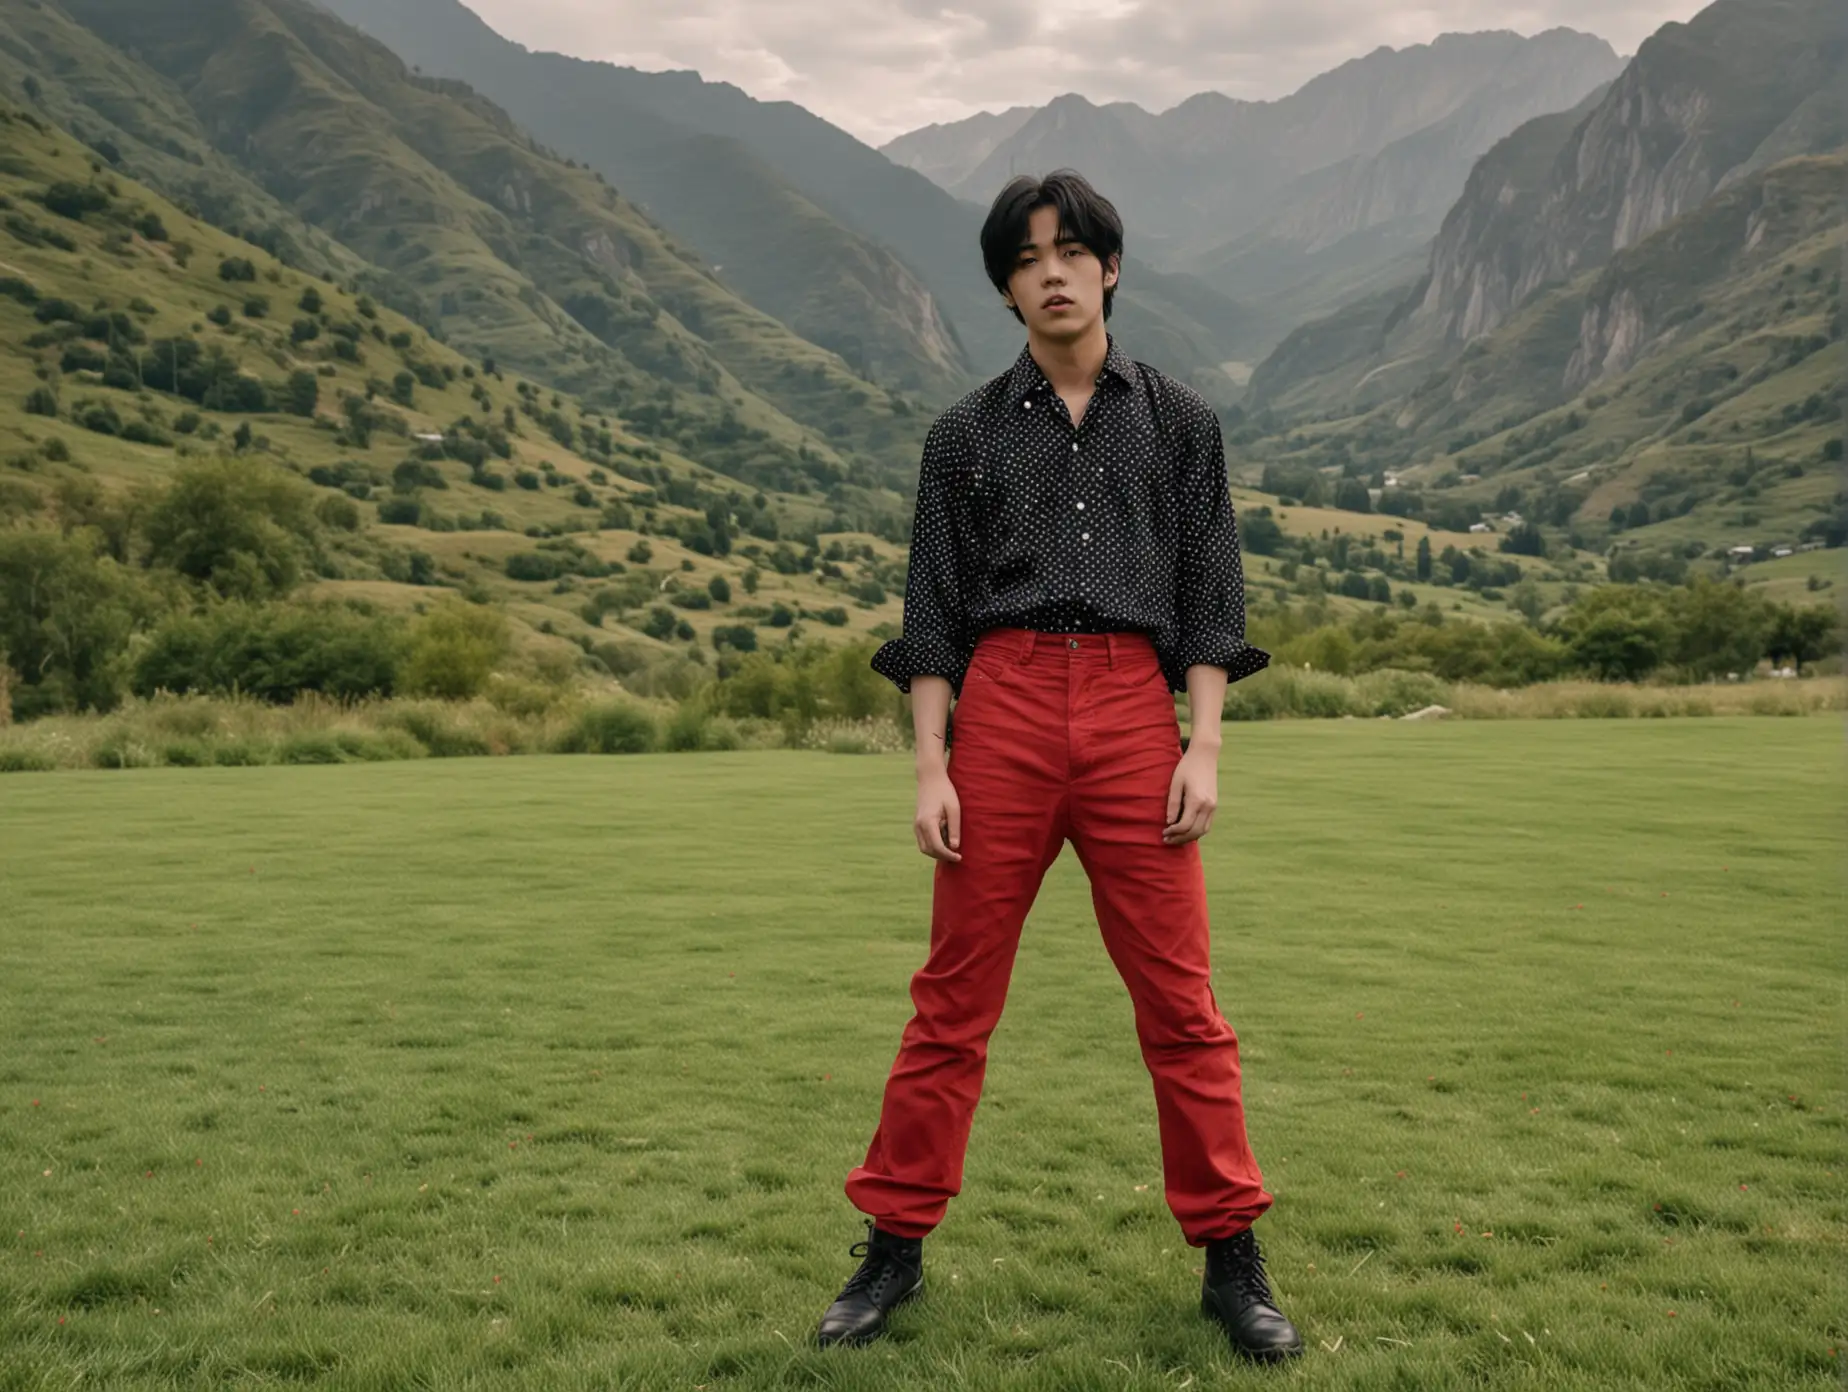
[(1072, 366)]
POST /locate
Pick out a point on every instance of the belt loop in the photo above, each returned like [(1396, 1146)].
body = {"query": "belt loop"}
[(1110, 647), (1028, 644)]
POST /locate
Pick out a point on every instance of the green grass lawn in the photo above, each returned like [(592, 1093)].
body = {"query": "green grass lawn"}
[(545, 1073)]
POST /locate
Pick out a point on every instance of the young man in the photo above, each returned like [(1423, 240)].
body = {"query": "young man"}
[(1074, 562)]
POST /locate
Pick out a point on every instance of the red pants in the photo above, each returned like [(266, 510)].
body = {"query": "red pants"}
[(1064, 736)]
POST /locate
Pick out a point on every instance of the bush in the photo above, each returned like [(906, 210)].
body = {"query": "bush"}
[(534, 566), (99, 416), (273, 652), (236, 268), (72, 201), (453, 650), (437, 731), (614, 727), (41, 401)]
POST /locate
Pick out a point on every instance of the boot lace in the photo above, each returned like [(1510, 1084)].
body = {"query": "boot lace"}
[(878, 1266), (1240, 1266)]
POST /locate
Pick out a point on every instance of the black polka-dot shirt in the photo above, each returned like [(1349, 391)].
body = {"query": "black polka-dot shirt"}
[(1122, 522)]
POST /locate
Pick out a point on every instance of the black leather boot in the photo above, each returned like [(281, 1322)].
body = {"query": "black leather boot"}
[(891, 1273), (1237, 1293)]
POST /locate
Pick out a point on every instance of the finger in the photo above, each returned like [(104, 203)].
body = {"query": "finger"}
[(1179, 815), (955, 820), (944, 850), (1176, 788), (1203, 816), (934, 847)]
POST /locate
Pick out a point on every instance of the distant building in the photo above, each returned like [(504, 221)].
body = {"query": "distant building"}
[(1782, 551), (1480, 527), (1743, 553)]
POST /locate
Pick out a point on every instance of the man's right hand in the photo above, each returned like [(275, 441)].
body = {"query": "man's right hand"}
[(939, 822)]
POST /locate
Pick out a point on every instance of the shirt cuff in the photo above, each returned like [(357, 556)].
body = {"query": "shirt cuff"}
[(1237, 656), (913, 655)]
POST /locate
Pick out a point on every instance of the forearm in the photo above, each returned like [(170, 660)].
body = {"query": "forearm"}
[(930, 713), (1206, 698)]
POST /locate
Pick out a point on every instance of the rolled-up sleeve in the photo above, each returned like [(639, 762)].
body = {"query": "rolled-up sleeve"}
[(936, 641), (1209, 576)]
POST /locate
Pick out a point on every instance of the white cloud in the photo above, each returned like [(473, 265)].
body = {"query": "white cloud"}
[(879, 68)]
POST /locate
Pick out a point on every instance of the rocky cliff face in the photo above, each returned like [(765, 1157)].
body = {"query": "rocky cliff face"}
[(1699, 101)]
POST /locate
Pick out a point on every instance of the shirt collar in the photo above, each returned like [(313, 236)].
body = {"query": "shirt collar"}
[(1026, 377)]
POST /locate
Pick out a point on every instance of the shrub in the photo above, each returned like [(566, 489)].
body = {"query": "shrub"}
[(453, 650), (436, 730), (236, 268), (614, 727), (99, 416), (72, 201), (273, 652), (41, 401), (534, 566)]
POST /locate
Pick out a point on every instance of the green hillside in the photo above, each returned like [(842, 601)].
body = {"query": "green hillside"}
[(1685, 399), (135, 340), (502, 248)]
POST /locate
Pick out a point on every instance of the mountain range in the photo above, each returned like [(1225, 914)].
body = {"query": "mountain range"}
[(1424, 251), (850, 249), (1287, 205), (1631, 320)]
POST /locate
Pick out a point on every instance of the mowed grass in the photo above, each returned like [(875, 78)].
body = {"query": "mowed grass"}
[(545, 1073)]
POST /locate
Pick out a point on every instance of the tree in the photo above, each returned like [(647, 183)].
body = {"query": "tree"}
[(66, 615), (1524, 540), (1618, 646), (243, 529), (1352, 496), (1423, 562), (1618, 633), (1802, 634), (720, 589), (1719, 628), (1528, 602), (303, 393)]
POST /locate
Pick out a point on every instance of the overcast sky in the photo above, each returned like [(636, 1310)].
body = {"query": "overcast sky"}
[(879, 68)]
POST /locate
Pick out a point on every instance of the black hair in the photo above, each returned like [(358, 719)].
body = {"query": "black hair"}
[(1085, 215)]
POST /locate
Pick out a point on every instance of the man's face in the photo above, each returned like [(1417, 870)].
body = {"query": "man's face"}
[(1058, 287)]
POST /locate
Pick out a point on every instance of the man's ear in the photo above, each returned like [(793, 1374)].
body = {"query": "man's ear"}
[(1113, 269)]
